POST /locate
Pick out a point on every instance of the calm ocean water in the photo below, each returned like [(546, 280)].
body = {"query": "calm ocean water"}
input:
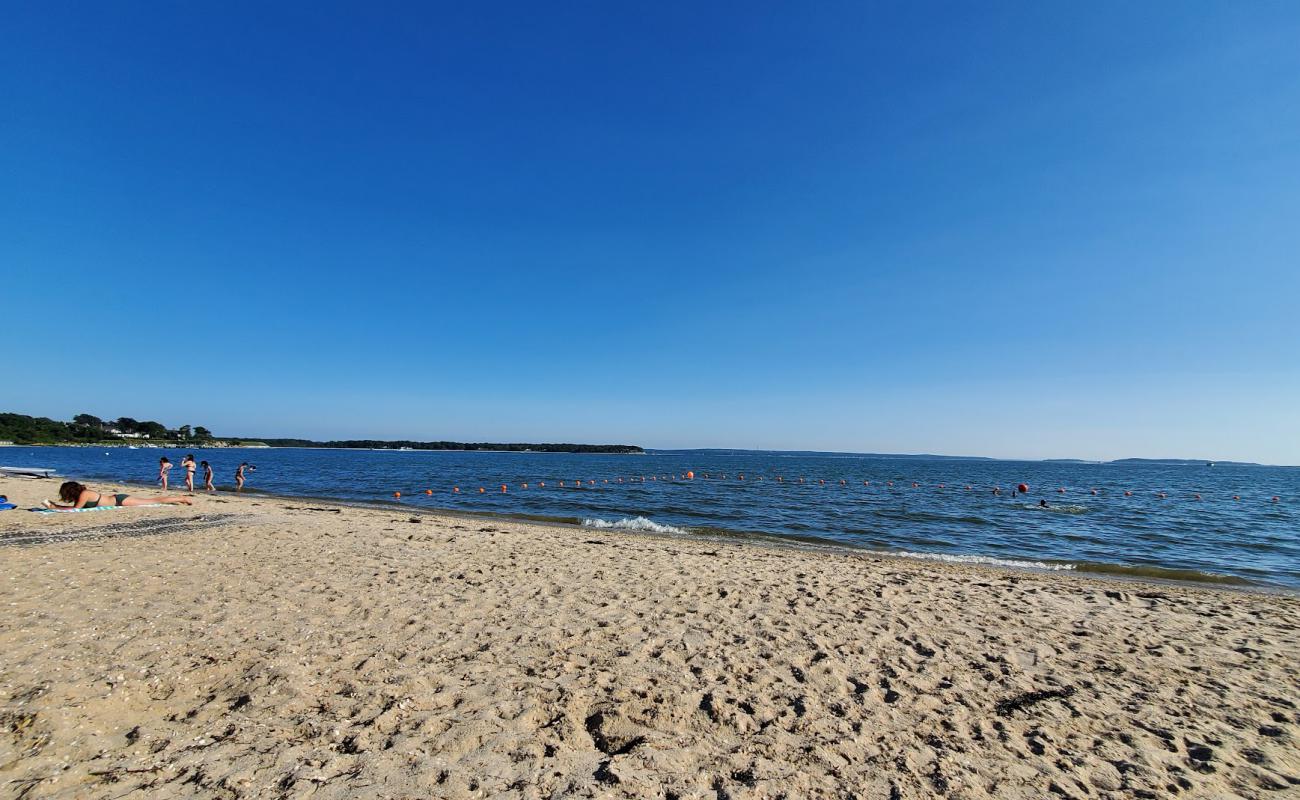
[(1250, 541)]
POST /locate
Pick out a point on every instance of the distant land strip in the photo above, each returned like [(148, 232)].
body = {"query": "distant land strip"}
[(376, 444), (88, 429)]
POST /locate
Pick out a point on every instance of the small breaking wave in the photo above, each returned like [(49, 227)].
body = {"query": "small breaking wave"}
[(632, 524), (984, 560), (1050, 509)]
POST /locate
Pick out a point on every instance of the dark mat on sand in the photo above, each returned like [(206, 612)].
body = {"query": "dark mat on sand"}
[(143, 527)]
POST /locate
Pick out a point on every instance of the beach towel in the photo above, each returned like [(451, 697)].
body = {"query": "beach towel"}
[(96, 508)]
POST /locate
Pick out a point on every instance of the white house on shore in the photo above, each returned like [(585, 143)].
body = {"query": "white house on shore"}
[(120, 435)]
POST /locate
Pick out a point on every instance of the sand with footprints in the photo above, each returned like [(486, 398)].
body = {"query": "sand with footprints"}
[(265, 647)]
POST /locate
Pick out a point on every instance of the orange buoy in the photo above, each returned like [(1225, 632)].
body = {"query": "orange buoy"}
[(397, 494), (1022, 488), (481, 490), (428, 491)]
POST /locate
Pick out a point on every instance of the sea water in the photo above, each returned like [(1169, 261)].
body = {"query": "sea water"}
[(1248, 541)]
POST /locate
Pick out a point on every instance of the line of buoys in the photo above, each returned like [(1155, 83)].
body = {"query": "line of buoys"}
[(1021, 488)]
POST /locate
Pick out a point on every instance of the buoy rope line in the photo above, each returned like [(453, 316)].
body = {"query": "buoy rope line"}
[(1021, 489)]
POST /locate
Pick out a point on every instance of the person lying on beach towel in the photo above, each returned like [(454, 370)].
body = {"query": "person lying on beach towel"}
[(77, 496)]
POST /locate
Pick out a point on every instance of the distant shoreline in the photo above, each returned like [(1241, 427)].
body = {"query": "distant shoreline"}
[(147, 445)]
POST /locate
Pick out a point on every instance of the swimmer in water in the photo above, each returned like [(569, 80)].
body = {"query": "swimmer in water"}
[(1043, 504)]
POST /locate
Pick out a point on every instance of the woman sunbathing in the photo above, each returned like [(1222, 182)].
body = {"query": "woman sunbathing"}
[(75, 495)]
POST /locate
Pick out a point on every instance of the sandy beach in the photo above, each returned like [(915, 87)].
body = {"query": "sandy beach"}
[(265, 647)]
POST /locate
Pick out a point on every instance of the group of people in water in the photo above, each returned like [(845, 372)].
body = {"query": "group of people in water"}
[(165, 466), (77, 496)]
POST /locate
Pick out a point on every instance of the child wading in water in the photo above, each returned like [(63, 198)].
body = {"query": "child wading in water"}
[(163, 466), (239, 477), (207, 476), (188, 464)]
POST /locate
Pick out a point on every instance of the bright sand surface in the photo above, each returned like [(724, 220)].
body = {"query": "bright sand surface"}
[(266, 647)]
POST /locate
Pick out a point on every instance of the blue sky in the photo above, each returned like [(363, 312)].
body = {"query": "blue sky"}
[(1022, 230)]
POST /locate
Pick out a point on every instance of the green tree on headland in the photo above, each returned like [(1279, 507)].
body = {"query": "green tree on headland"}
[(89, 420), (83, 429)]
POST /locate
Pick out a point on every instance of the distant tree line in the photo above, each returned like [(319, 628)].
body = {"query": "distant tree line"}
[(85, 428), (378, 444), (88, 428)]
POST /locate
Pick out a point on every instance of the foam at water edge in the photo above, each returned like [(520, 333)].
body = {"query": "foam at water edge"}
[(632, 524), (988, 560)]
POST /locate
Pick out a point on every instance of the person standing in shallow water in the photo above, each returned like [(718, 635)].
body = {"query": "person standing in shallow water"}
[(188, 464), (239, 477), (164, 466), (207, 476)]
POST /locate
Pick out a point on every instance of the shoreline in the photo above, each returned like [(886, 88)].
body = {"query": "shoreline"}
[(1153, 575), (259, 645)]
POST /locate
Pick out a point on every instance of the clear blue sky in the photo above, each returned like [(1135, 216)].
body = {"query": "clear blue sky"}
[(1024, 230)]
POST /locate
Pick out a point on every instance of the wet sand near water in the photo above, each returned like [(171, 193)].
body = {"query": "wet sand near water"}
[(265, 647)]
